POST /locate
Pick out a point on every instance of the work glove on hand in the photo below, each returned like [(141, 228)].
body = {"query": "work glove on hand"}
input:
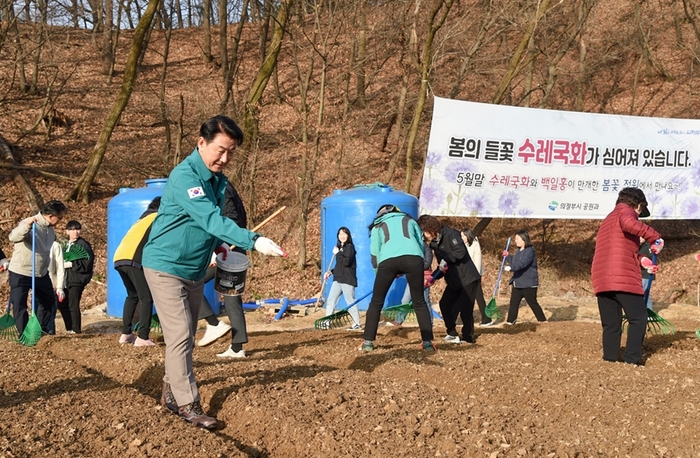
[(336, 249), (327, 275), (443, 266), (61, 295), (505, 253), (4, 264), (428, 279), (267, 247), (507, 268), (697, 257), (657, 246), (221, 250), (67, 264), (649, 266)]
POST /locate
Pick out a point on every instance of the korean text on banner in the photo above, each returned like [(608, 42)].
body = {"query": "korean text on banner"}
[(511, 162)]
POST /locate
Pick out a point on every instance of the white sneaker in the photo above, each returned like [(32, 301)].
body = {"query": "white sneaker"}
[(144, 342), (231, 354), (214, 332), (452, 339), (484, 325), (355, 327), (123, 339)]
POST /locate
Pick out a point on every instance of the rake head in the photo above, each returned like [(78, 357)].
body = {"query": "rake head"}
[(32, 332), (8, 327), (74, 253), (697, 333), (399, 313), (333, 321), (9, 334), (492, 310), (656, 324)]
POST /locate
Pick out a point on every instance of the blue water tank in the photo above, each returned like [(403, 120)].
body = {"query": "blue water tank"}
[(123, 211), (355, 209)]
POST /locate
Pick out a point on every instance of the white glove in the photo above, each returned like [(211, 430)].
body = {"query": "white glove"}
[(443, 266), (67, 264), (267, 247), (507, 268), (4, 264), (61, 295), (336, 249)]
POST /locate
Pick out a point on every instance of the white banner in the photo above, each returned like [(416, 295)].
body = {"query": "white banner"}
[(510, 162)]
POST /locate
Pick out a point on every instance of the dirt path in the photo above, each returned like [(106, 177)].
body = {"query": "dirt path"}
[(529, 390)]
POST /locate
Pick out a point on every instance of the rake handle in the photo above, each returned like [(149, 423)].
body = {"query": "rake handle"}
[(500, 271), (356, 301), (33, 267)]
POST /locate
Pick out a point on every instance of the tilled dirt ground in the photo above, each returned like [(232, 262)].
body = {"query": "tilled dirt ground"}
[(528, 390)]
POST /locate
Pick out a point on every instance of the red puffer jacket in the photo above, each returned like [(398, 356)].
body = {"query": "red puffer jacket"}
[(615, 263)]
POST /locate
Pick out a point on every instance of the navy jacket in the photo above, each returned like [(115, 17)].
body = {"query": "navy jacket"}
[(523, 265)]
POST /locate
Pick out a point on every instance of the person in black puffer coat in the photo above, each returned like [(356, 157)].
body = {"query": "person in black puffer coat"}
[(461, 275)]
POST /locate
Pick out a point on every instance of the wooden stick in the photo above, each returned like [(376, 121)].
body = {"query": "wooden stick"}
[(269, 218), (265, 221)]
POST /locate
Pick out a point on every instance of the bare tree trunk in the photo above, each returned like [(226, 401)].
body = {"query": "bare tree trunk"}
[(20, 182), (228, 103), (268, 65), (163, 104), (178, 12), (361, 58), (107, 45), (82, 190), (180, 133), (437, 18), (19, 52), (513, 66), (39, 38), (206, 32), (223, 38), (264, 30)]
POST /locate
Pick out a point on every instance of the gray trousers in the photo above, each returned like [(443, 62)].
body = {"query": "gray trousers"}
[(177, 301)]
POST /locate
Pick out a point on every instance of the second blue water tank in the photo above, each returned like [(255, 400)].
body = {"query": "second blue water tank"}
[(355, 209)]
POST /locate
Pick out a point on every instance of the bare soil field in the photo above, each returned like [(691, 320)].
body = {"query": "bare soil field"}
[(528, 390)]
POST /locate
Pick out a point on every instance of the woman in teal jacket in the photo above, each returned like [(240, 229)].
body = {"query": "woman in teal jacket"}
[(396, 248)]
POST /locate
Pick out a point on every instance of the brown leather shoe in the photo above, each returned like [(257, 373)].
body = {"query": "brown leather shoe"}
[(167, 399), (195, 415)]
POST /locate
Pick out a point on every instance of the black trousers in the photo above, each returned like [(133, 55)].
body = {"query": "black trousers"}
[(234, 311), (611, 305), (44, 297), (387, 271), (73, 295), (530, 295), (137, 291), (460, 302), (481, 302)]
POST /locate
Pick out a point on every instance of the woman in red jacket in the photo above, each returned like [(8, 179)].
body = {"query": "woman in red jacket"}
[(616, 274)]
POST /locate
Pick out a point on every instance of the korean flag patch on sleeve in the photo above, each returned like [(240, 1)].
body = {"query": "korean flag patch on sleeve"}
[(195, 192)]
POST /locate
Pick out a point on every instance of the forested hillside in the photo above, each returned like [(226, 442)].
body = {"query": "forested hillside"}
[(330, 95)]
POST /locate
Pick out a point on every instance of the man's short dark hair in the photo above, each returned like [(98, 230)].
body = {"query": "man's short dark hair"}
[(54, 207), (73, 224)]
